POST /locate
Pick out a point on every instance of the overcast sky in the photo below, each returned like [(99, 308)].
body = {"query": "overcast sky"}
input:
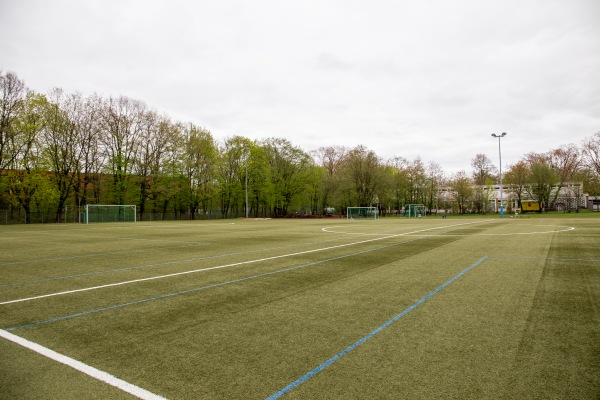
[(429, 79)]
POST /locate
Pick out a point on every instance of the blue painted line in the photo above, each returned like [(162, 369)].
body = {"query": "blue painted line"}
[(164, 296), (348, 349)]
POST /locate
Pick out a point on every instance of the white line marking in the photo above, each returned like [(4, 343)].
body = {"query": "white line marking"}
[(564, 229), (81, 367), (222, 266)]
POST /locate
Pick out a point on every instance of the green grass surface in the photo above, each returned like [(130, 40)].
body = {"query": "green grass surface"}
[(270, 301)]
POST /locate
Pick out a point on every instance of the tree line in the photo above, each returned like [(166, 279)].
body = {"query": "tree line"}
[(61, 150)]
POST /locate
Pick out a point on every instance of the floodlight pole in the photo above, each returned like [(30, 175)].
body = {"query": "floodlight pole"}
[(247, 157), (500, 157), (246, 189)]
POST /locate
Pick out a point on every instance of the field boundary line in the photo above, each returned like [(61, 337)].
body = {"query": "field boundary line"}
[(222, 266), (362, 340), (82, 367)]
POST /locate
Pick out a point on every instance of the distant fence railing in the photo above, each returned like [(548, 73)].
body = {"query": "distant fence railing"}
[(72, 215)]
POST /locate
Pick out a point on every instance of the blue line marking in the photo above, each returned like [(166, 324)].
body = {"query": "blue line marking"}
[(369, 336), (79, 314)]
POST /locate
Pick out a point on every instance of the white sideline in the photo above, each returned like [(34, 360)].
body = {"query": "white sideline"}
[(81, 367), (227, 265)]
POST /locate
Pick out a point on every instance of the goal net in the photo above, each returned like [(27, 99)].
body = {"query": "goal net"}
[(109, 213), (414, 210), (362, 213)]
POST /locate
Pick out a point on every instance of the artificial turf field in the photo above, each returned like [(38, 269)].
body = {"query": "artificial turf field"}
[(302, 309)]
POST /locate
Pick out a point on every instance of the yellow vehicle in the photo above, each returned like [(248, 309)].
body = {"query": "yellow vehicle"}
[(531, 206)]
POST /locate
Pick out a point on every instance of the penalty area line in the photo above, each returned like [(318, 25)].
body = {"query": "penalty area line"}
[(82, 367)]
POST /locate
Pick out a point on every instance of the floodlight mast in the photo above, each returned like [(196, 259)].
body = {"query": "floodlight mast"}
[(246, 151), (500, 157)]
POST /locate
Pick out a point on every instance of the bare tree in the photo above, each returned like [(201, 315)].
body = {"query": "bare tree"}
[(483, 169), (591, 154), (157, 135), (87, 182), (122, 126), (537, 158), (61, 141), (330, 157), (565, 161), (11, 105)]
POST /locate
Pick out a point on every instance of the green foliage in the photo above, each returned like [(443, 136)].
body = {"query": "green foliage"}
[(289, 172), (199, 162), (541, 180), (362, 172), (462, 190)]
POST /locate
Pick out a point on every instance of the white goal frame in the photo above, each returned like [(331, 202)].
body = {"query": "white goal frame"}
[(414, 211), (129, 213), (362, 213)]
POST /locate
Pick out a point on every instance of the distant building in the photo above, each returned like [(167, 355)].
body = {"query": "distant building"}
[(568, 196), (593, 203)]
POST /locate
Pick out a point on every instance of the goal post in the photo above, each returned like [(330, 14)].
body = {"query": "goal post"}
[(414, 211), (362, 213), (109, 213)]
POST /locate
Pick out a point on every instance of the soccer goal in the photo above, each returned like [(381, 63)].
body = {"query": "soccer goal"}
[(109, 213), (414, 210), (362, 213)]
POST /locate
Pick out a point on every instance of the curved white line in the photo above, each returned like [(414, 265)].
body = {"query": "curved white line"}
[(566, 229)]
